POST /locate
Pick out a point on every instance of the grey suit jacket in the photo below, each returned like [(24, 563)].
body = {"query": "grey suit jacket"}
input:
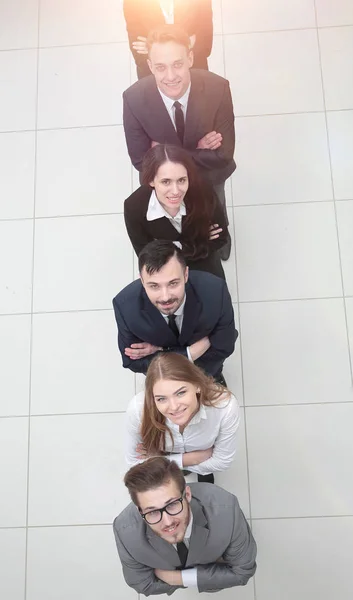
[(219, 531)]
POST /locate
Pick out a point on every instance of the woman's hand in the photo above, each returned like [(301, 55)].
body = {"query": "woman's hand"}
[(140, 45), (215, 231), (141, 452), (196, 457)]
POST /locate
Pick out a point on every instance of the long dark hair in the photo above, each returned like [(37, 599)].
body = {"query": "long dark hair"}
[(199, 199), (174, 367)]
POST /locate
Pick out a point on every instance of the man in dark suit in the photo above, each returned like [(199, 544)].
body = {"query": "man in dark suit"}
[(173, 535), (194, 16), (170, 310), (185, 108)]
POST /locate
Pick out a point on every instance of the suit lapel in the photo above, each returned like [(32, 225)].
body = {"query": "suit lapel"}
[(164, 130), (191, 315), (199, 534), (163, 548)]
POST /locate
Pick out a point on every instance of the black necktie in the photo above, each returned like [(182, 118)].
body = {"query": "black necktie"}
[(179, 121), (173, 326), (183, 554)]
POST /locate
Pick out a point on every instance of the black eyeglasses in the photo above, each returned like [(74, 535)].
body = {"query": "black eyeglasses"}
[(155, 516)]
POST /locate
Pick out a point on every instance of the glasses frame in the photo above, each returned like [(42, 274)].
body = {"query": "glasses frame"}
[(165, 509)]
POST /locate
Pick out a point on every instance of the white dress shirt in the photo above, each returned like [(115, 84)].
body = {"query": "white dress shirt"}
[(167, 7), (156, 211), (211, 426), (189, 576), (169, 104)]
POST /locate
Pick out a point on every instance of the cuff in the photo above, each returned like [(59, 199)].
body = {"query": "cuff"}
[(178, 458), (189, 577), (189, 353)]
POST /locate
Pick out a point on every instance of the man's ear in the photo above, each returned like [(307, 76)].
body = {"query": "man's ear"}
[(191, 58), (149, 64), (188, 494), (186, 274)]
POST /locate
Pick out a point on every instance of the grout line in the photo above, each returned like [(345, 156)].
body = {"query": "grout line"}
[(303, 517), (334, 201), (55, 46), (32, 300)]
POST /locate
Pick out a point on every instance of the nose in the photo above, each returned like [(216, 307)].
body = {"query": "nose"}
[(164, 294), (173, 405), (175, 188), (167, 519), (170, 74)]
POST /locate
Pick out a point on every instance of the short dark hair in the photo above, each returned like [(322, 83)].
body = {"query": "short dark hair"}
[(152, 474), (168, 33), (156, 254)]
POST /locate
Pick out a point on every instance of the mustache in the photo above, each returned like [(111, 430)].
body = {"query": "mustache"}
[(167, 301)]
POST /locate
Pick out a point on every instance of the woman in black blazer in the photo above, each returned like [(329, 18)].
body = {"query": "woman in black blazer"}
[(175, 204)]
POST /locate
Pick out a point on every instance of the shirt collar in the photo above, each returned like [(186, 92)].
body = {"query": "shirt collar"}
[(156, 211), (169, 102), (189, 527)]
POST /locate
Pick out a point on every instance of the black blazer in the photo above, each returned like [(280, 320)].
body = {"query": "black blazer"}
[(141, 231), (208, 312), (194, 16), (210, 108)]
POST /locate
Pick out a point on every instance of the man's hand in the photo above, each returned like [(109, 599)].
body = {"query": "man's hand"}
[(140, 45), (199, 348), (210, 141), (170, 577), (153, 144), (215, 230), (141, 350)]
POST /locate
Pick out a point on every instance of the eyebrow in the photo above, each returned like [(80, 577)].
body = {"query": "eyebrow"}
[(155, 508), (156, 283), (176, 391)]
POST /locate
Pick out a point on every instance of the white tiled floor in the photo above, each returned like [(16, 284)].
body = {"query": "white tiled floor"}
[(63, 391)]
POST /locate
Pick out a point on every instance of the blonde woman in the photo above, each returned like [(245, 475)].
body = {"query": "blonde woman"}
[(185, 415)]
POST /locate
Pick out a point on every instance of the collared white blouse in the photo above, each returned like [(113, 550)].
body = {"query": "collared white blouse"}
[(211, 426)]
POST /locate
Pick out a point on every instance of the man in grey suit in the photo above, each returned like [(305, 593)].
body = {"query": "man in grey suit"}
[(174, 535)]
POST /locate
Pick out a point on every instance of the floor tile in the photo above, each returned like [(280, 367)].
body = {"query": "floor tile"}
[(300, 460), (288, 153), (232, 370), (287, 252), (76, 22), (216, 60), (18, 90), (12, 564), (349, 308), (82, 85), (235, 479), (82, 171), (345, 228), (340, 128), (86, 555), (336, 46), (273, 73), (13, 471), (240, 593), (295, 352), (217, 7), (309, 547), (81, 263), (76, 469), (17, 175), (16, 244), (15, 334), (18, 24), (78, 351), (256, 15), (229, 265), (334, 12)]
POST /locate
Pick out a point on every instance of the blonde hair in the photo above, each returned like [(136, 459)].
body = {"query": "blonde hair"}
[(173, 367)]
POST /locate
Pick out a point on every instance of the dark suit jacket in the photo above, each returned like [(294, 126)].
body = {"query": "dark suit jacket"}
[(208, 312), (219, 530), (194, 16), (210, 108), (141, 231)]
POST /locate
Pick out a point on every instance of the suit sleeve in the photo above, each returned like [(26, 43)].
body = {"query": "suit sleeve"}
[(140, 577), (219, 217), (125, 339), (239, 559), (223, 336), (204, 26), (137, 140), (134, 25), (224, 124), (136, 230)]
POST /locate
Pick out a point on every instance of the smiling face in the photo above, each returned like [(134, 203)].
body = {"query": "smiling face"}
[(176, 400), (166, 288), (171, 184), (172, 527), (170, 64)]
